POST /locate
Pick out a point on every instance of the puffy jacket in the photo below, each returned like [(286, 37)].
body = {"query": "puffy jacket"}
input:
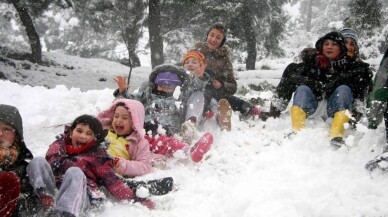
[(166, 110), (138, 147), (219, 67)]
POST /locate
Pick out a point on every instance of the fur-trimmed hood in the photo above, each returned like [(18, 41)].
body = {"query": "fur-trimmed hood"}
[(218, 52), (134, 107)]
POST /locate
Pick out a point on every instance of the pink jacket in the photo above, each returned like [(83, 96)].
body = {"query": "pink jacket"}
[(138, 147)]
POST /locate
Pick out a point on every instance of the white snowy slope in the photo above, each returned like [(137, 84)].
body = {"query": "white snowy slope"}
[(254, 170)]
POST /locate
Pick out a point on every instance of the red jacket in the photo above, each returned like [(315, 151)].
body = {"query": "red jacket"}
[(96, 164)]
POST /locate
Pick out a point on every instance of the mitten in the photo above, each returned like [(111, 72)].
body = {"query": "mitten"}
[(46, 201)]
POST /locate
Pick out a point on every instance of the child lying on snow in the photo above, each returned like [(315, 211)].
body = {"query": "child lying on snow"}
[(79, 165)]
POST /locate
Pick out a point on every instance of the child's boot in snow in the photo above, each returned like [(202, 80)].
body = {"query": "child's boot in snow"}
[(224, 115), (337, 128), (188, 131), (298, 118), (155, 187), (201, 147)]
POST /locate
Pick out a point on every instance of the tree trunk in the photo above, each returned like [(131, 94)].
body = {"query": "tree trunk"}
[(33, 37), (156, 41), (251, 39), (309, 16)]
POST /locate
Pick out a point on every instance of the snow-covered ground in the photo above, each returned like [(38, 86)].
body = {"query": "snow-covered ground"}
[(253, 170)]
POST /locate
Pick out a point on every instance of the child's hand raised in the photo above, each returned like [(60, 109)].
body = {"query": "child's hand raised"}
[(120, 80)]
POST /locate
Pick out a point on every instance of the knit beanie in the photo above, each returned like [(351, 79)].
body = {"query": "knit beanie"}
[(334, 36), (220, 26), (195, 54), (94, 124), (350, 33), (167, 79)]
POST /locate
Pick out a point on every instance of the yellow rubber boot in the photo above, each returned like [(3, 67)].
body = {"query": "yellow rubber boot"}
[(337, 126), (298, 118)]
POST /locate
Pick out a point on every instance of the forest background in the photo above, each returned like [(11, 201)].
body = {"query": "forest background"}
[(165, 29)]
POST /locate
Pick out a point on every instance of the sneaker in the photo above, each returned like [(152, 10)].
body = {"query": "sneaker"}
[(188, 131), (155, 187), (201, 147), (224, 115), (380, 162), (337, 142)]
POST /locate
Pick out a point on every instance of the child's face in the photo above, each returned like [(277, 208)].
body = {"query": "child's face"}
[(81, 135), (214, 38), (7, 135), (191, 64), (167, 89), (331, 49), (122, 121), (350, 46)]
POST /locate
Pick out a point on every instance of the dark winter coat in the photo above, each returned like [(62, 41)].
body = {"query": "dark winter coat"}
[(27, 204), (345, 71), (379, 96), (164, 110), (96, 164), (219, 67)]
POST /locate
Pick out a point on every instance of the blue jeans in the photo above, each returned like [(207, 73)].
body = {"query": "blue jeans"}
[(341, 99)]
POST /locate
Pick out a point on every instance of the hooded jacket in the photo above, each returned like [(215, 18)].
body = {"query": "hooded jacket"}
[(27, 203), (137, 147), (343, 71), (219, 67), (165, 110), (95, 163)]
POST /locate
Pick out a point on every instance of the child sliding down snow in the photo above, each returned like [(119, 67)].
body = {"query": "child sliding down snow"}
[(165, 112)]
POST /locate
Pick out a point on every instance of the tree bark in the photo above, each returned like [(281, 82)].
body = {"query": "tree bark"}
[(309, 16), (155, 38), (251, 39), (33, 37)]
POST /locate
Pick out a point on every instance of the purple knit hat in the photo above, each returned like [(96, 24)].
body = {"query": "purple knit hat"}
[(167, 79)]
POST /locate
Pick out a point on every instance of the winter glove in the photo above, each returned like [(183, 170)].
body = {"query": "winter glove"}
[(333, 83), (46, 201), (273, 113), (315, 85)]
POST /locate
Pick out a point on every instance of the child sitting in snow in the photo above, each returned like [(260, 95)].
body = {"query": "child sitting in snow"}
[(79, 165), (166, 97), (17, 197), (378, 109)]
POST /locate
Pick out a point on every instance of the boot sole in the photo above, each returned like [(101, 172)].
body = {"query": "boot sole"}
[(224, 115)]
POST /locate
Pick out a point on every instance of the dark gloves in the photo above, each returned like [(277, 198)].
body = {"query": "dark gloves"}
[(272, 113)]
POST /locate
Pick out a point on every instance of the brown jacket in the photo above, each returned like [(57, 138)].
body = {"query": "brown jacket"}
[(219, 66)]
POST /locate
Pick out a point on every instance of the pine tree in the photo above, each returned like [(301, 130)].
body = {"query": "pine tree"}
[(365, 14)]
